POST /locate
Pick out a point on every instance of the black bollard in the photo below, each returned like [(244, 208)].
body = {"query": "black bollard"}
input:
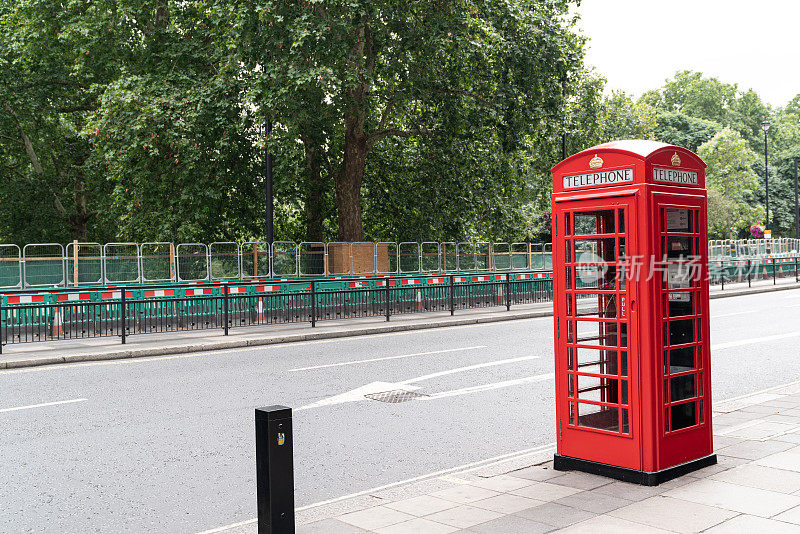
[(274, 470)]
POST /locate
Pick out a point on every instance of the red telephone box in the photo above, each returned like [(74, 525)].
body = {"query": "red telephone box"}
[(630, 262)]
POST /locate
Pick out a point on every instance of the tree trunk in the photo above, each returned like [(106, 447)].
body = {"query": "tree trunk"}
[(348, 182), (80, 228), (351, 174)]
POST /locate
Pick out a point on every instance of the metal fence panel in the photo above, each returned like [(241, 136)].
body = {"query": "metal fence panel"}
[(363, 257), (520, 256), (449, 256), (410, 257), (284, 258), (43, 264), (255, 259), (483, 256), (312, 258), (547, 256), (121, 263), (192, 262), (158, 262), (10, 266), (501, 256), (431, 260), (339, 259), (386, 257), (84, 263), (224, 260), (49, 264), (466, 257)]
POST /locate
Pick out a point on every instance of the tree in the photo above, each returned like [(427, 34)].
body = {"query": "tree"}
[(173, 132), (784, 149), (696, 97), (682, 130), (622, 118), (730, 181), (345, 78), (54, 58), (693, 94)]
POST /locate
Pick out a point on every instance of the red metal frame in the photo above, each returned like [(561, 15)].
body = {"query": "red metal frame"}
[(640, 307)]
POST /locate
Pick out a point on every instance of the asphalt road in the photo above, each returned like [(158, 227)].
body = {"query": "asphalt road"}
[(167, 444)]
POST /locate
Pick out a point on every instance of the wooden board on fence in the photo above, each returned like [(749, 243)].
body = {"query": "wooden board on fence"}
[(338, 258), (382, 258)]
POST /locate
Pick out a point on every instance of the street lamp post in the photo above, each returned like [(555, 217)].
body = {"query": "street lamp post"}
[(765, 125), (268, 181), (564, 132), (796, 207)]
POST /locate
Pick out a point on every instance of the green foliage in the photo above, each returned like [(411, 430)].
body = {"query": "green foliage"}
[(622, 118), (689, 132), (53, 59), (417, 103), (418, 120), (730, 181), (701, 103)]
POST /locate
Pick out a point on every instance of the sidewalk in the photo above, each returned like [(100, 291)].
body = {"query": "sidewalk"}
[(143, 345), (755, 487)]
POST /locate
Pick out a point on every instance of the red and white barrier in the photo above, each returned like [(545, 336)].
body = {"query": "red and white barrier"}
[(149, 293), (198, 291), (71, 297), (117, 294), (25, 299), (267, 289)]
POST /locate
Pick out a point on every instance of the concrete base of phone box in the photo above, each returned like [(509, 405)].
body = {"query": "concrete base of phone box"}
[(645, 478)]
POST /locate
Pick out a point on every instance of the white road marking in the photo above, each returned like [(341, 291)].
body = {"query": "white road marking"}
[(42, 405), (469, 368), (357, 394), (356, 362), (754, 340), (488, 387), (473, 466), (228, 527)]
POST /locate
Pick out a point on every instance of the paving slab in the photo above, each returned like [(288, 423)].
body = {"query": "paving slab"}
[(758, 476), (611, 524), (750, 523), (464, 516), (744, 499), (512, 524), (753, 450), (661, 510), (790, 516), (558, 515), (547, 492), (788, 460)]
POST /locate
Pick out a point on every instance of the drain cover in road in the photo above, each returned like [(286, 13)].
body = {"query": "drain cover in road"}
[(394, 396)]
